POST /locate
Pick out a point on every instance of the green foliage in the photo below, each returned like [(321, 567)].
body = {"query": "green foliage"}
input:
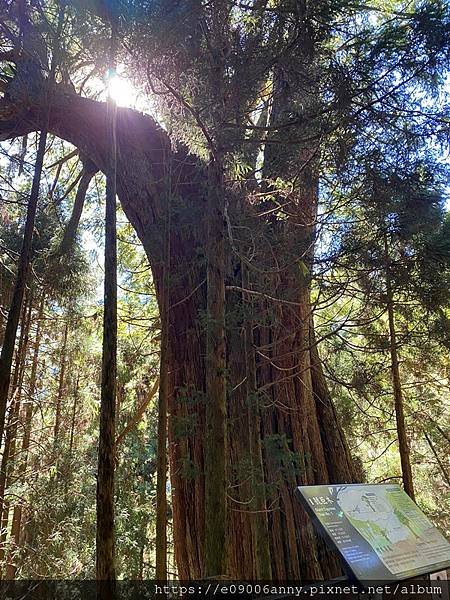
[(287, 463), (57, 490)]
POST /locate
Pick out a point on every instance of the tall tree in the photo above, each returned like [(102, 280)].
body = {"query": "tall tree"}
[(385, 265), (16, 525), (259, 507), (61, 382), (21, 279), (14, 411), (403, 442), (105, 545)]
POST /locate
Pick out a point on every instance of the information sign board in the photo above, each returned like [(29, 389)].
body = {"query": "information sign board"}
[(380, 533)]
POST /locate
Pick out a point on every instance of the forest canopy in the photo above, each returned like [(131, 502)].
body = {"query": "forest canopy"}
[(224, 273)]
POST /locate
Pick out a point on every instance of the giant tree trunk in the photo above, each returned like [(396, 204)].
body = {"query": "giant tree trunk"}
[(257, 492), (300, 438), (163, 401), (215, 371)]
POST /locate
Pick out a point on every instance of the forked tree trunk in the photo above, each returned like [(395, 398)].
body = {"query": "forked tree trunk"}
[(300, 437)]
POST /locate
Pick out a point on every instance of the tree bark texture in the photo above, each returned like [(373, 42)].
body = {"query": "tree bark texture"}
[(258, 492), (216, 409), (163, 402)]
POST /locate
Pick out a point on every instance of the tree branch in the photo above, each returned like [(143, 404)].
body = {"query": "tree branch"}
[(139, 413)]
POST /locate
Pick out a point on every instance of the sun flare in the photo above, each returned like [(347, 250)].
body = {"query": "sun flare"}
[(122, 90)]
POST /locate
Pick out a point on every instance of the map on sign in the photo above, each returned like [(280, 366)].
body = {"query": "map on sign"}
[(379, 531)]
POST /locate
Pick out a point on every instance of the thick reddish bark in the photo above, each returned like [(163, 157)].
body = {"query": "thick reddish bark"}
[(163, 402), (214, 443), (299, 432)]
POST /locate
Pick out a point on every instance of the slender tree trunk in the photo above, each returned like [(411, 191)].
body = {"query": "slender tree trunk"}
[(137, 417), (74, 413), (15, 386), (17, 514), (11, 430), (105, 560), (10, 564), (21, 279), (444, 471), (12, 433), (61, 381), (141, 561), (403, 442)]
